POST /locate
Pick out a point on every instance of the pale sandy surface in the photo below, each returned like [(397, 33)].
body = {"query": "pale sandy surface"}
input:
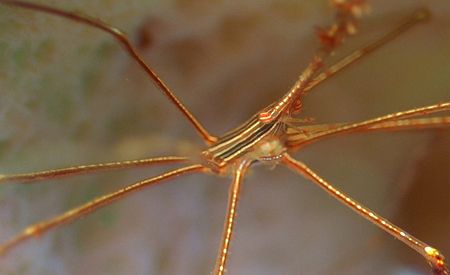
[(68, 95)]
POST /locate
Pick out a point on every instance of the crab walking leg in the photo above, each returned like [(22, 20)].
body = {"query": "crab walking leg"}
[(307, 81), (295, 141), (338, 31), (389, 126), (233, 199), (440, 107), (432, 255), (418, 16), (123, 40), (410, 124), (87, 169), (38, 229)]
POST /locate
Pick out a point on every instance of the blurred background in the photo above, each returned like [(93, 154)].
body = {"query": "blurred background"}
[(69, 95)]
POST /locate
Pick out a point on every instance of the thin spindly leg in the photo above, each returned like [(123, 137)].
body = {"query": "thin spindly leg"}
[(38, 229), (233, 199), (410, 124), (432, 255), (297, 141), (331, 37), (391, 126), (87, 169), (418, 16), (307, 81), (123, 40)]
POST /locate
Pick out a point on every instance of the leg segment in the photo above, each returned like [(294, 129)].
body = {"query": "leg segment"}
[(38, 229), (432, 255), (233, 198), (418, 16), (331, 38), (305, 83), (87, 169), (410, 124), (383, 122), (298, 132), (123, 40)]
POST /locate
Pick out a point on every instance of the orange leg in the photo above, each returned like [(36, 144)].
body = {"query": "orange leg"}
[(123, 40), (395, 125), (418, 16), (411, 124), (86, 169), (38, 229), (233, 199), (386, 122), (331, 37), (432, 255), (307, 80)]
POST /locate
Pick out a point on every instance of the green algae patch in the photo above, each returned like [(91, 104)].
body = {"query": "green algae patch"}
[(44, 51), (22, 54)]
